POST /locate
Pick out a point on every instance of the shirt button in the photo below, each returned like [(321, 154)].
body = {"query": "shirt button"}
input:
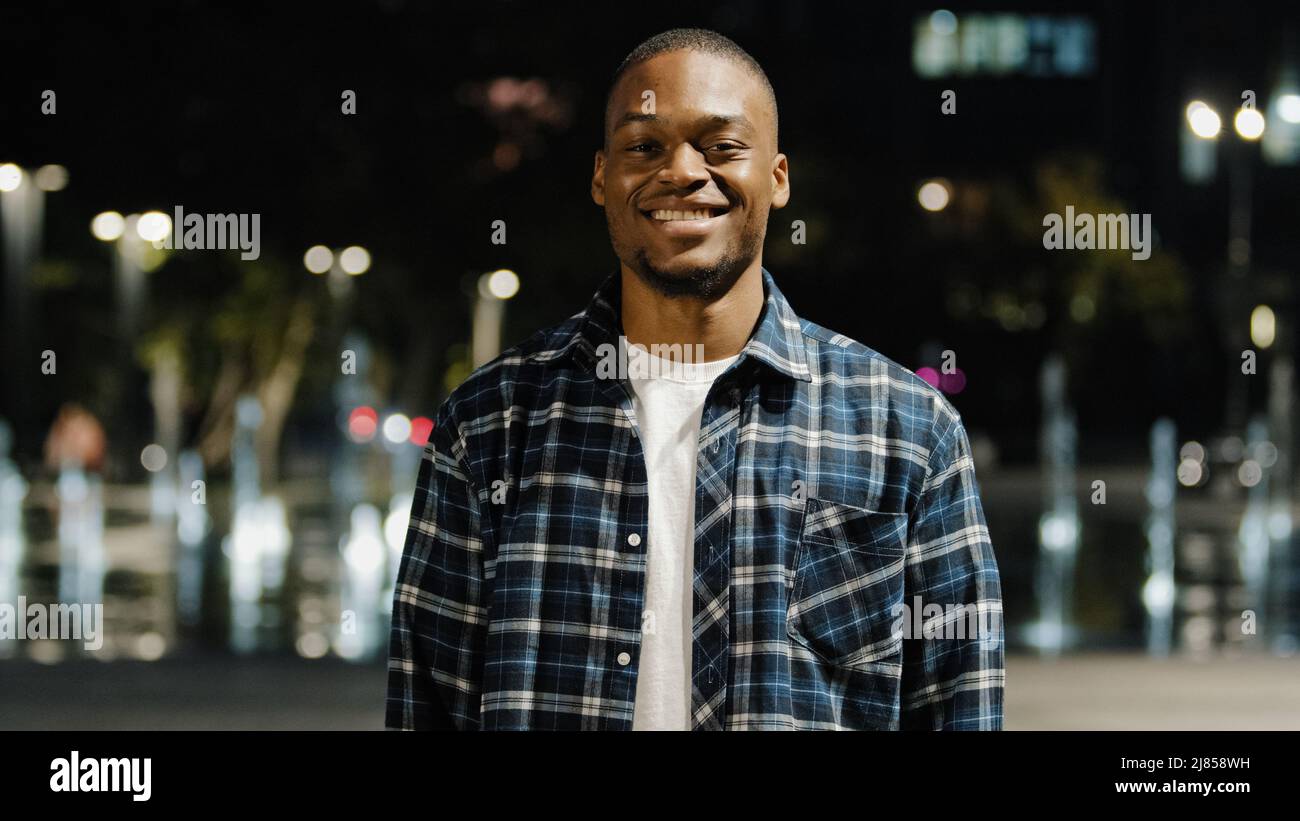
[(624, 659), (634, 540)]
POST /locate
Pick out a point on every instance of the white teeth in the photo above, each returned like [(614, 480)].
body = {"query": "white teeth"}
[(669, 216)]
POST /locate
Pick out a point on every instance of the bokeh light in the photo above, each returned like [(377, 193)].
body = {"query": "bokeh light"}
[(11, 176), (421, 429), (1203, 120), (108, 226), (502, 284), (954, 382), (1288, 107), (153, 226), (943, 22), (153, 457), (934, 195), (1249, 123), (51, 178), (354, 260), (397, 428), (362, 424), (1263, 326), (318, 259)]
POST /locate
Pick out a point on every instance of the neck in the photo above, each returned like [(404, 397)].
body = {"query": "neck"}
[(721, 326)]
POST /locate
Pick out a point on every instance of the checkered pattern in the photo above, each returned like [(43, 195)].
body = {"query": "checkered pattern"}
[(833, 488)]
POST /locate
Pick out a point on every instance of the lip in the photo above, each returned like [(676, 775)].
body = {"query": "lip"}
[(685, 228)]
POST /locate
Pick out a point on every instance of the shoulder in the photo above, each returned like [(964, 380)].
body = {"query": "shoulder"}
[(491, 388), (866, 381)]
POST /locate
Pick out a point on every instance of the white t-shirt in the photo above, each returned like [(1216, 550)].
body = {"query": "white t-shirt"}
[(669, 403)]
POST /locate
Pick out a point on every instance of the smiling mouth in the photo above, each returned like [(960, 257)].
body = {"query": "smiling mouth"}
[(685, 216)]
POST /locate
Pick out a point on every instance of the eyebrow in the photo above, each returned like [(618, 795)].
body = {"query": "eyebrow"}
[(713, 120)]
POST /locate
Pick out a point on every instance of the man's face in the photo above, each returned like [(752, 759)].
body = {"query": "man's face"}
[(707, 147)]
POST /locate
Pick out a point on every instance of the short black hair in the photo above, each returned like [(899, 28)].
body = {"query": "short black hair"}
[(691, 39)]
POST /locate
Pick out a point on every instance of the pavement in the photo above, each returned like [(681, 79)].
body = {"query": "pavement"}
[(1095, 691)]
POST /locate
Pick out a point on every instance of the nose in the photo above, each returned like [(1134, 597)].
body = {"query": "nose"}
[(685, 169)]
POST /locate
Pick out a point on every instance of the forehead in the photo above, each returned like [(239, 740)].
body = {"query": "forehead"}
[(691, 83)]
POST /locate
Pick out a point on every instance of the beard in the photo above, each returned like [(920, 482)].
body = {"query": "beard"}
[(702, 282)]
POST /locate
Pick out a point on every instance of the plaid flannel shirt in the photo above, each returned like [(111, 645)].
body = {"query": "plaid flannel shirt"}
[(834, 487)]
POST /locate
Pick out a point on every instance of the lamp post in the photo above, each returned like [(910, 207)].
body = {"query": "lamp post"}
[(22, 218), (489, 313), (1204, 125)]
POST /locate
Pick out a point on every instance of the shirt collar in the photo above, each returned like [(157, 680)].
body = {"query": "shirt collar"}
[(777, 341)]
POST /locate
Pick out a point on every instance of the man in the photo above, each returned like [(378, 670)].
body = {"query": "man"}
[(735, 537)]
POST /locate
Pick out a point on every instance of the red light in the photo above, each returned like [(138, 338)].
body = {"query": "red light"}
[(362, 424), (930, 375), (421, 428)]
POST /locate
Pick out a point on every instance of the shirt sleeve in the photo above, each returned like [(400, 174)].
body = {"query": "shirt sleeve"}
[(953, 673), (435, 666)]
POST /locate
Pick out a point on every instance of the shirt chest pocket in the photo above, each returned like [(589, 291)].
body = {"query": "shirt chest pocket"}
[(848, 583)]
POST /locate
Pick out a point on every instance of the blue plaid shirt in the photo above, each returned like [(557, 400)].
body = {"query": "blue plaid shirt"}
[(840, 545)]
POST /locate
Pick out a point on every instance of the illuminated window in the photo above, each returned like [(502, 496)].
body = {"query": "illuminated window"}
[(944, 44)]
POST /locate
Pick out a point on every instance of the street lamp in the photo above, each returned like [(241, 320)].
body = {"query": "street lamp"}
[(490, 297), (1203, 120), (318, 259), (341, 265), (1249, 123), (934, 195)]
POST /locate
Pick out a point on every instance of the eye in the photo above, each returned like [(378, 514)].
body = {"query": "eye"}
[(642, 148), (724, 146)]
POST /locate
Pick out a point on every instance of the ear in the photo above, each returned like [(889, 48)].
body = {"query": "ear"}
[(780, 181), (598, 179)]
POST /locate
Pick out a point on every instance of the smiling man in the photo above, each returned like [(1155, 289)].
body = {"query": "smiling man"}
[(733, 540)]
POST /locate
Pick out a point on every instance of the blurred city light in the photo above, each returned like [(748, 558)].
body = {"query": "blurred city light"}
[(153, 457), (397, 428), (502, 284), (318, 259), (395, 526), (1058, 532), (1288, 107), (150, 646), (953, 383), (312, 645), (1249, 123), (11, 176), (1192, 450), (1190, 472), (1158, 592), (934, 195), (1266, 454), (153, 226), (108, 226), (362, 423), (943, 22), (421, 429), (354, 260), (51, 178), (1263, 326), (1203, 120)]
